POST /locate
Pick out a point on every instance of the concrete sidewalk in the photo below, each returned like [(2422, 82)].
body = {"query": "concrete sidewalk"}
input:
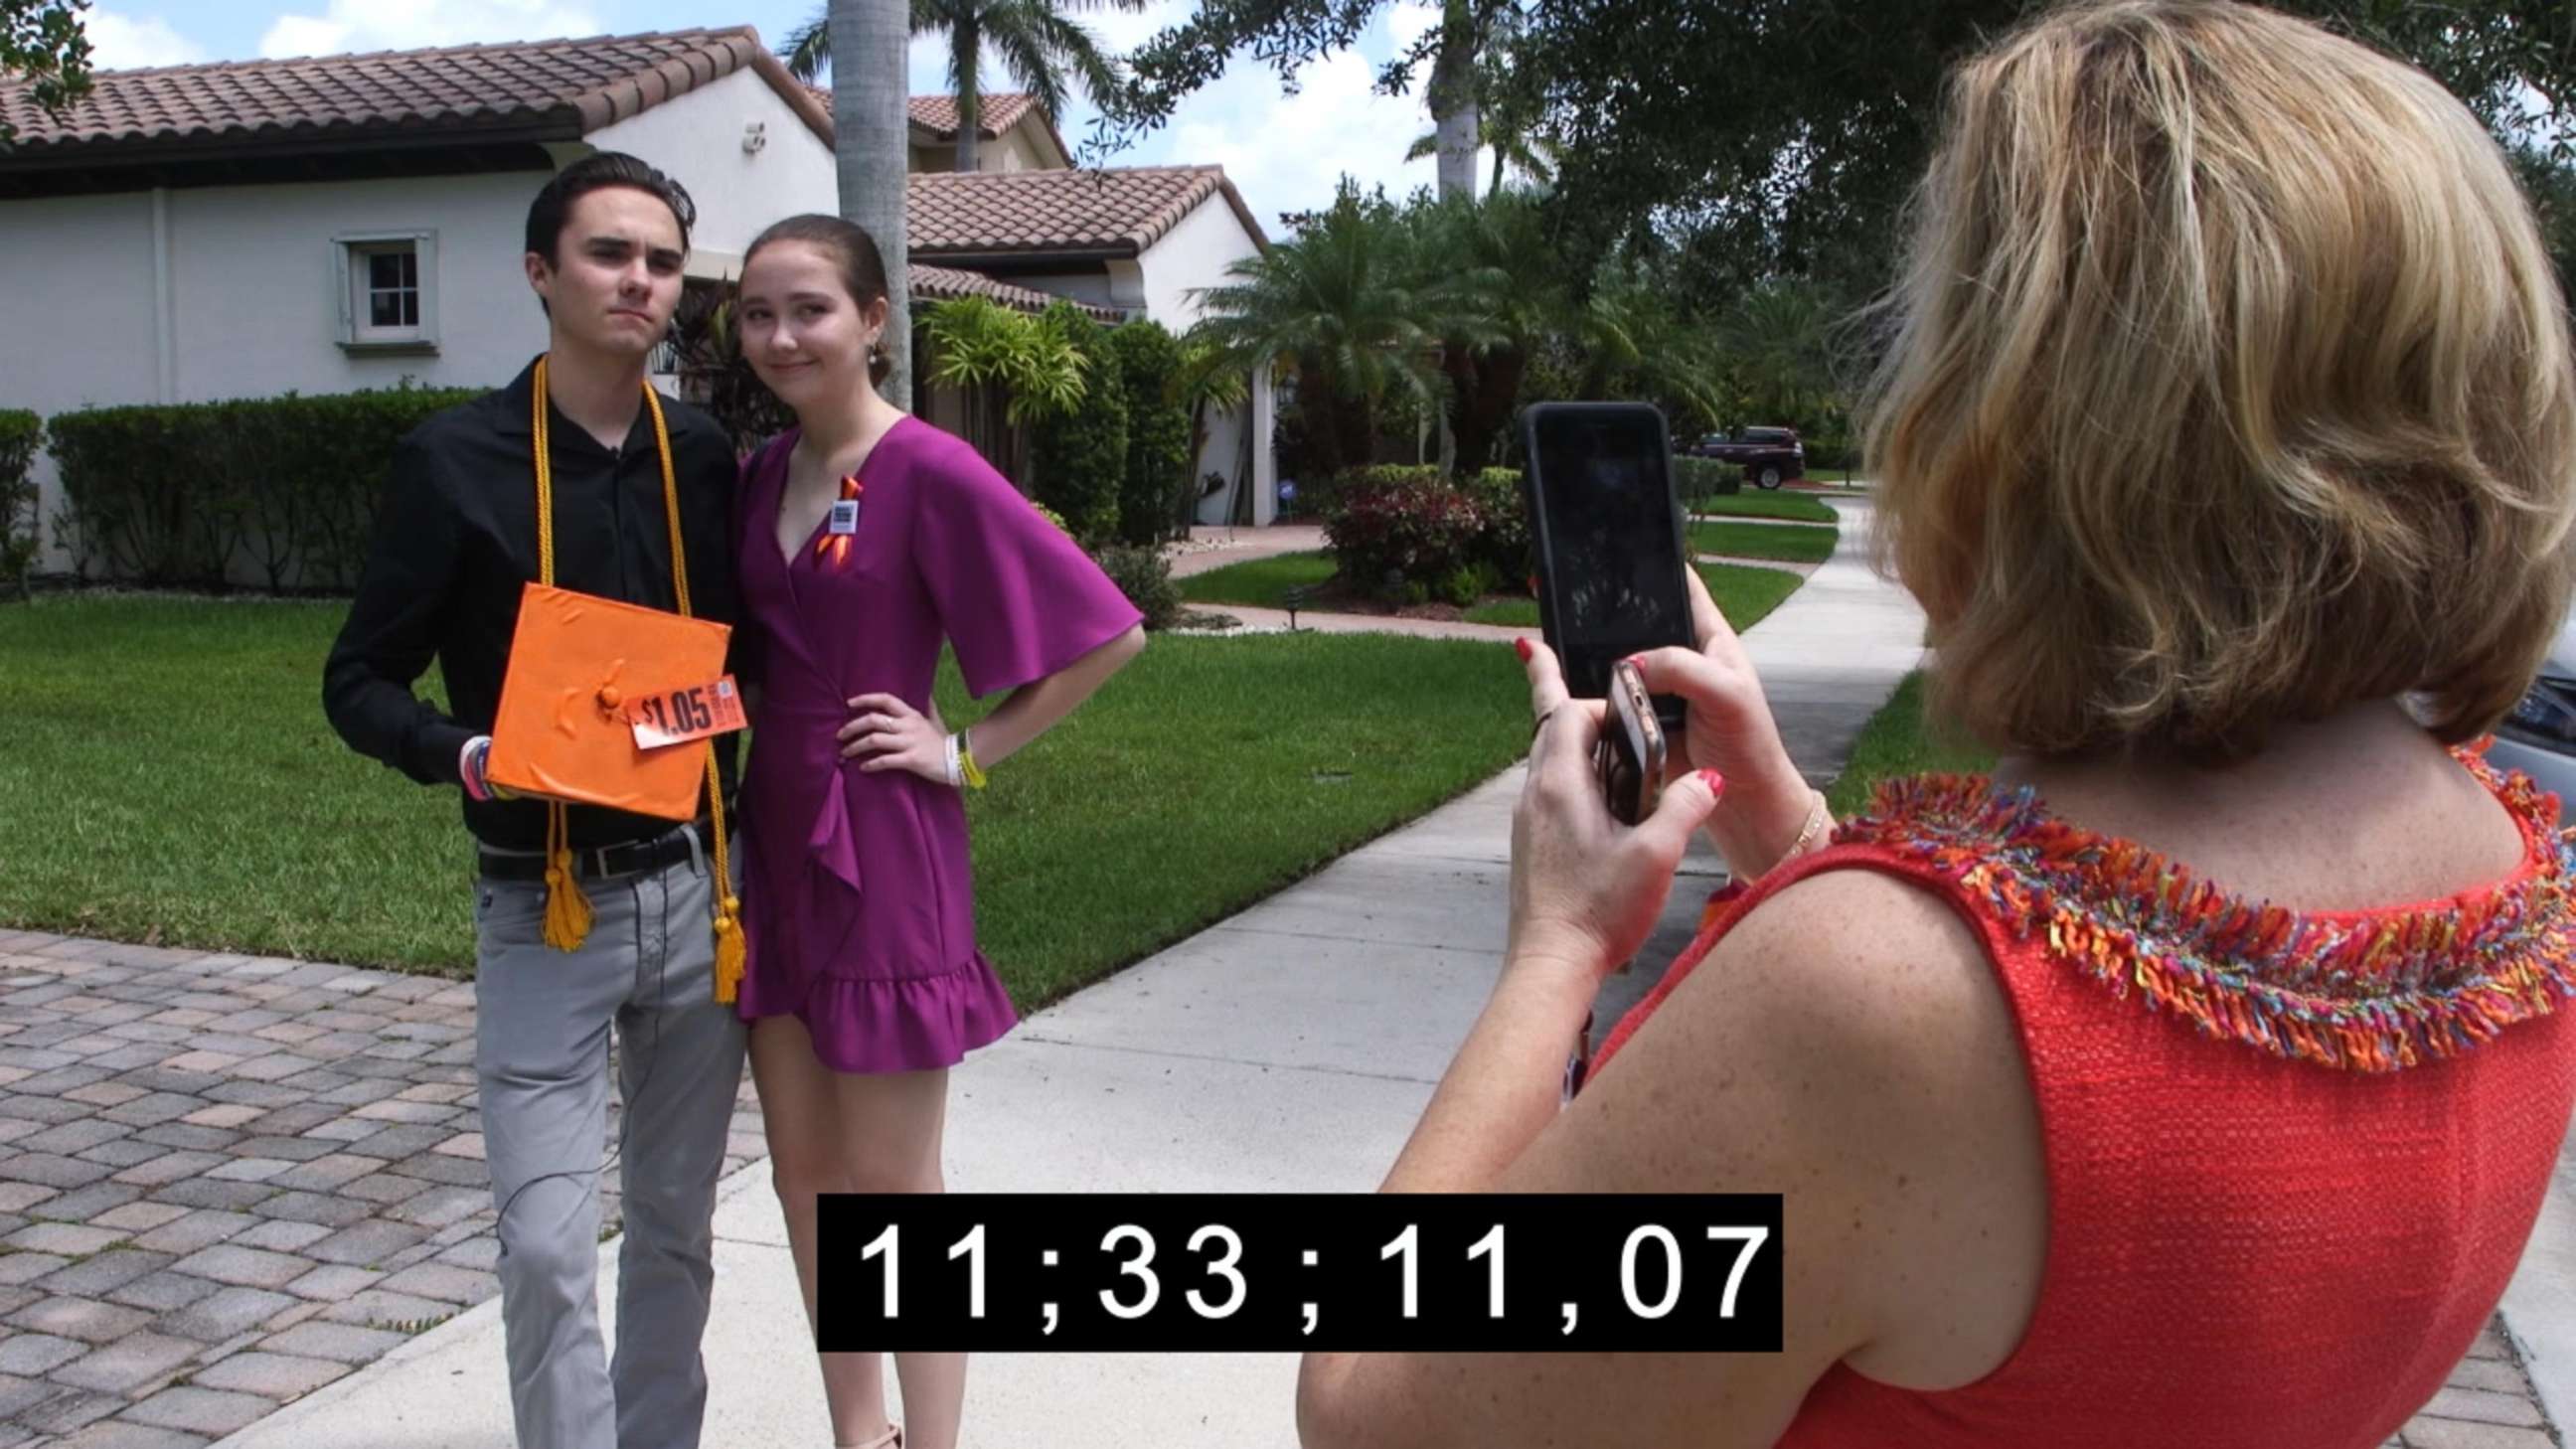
[(1290, 1047)]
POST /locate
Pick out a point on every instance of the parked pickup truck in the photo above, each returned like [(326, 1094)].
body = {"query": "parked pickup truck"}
[(1768, 456)]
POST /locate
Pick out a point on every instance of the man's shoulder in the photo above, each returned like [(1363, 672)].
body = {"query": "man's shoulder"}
[(476, 419)]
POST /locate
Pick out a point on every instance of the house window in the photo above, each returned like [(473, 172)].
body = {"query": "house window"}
[(393, 289), (388, 291)]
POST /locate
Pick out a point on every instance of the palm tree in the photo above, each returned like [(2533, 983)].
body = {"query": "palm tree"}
[(1206, 383), (871, 125), (1503, 295), (1341, 305), (1635, 342), (1504, 112), (1453, 96), (1777, 339), (1513, 147), (1046, 54)]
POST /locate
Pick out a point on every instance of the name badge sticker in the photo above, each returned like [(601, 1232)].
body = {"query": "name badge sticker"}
[(678, 716), (845, 517)]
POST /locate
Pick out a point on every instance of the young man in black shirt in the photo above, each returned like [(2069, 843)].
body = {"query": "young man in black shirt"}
[(456, 543)]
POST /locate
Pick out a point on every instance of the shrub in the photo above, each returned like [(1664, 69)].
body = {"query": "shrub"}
[(1158, 431), (173, 494), (1504, 548), (1081, 455), (1390, 527), (21, 434), (1695, 479), (1145, 577), (1466, 583)]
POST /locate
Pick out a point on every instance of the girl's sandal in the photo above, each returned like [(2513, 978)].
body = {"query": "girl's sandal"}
[(892, 1438)]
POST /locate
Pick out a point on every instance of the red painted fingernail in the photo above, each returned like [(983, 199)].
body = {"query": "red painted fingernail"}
[(1715, 782), (1521, 647)]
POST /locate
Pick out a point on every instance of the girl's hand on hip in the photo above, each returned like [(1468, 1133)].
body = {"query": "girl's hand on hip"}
[(887, 734)]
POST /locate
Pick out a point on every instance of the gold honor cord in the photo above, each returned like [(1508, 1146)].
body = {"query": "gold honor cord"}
[(568, 912)]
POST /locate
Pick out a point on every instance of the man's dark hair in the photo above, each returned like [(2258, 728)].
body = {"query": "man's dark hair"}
[(546, 215)]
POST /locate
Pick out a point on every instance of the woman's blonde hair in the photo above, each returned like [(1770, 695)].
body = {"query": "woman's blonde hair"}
[(2230, 385)]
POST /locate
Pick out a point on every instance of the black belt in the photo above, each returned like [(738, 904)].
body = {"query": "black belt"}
[(685, 843)]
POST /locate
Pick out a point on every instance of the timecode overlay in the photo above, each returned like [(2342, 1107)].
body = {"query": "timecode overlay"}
[(1272, 1272)]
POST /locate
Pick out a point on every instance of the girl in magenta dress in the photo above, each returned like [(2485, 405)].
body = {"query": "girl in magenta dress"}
[(867, 538)]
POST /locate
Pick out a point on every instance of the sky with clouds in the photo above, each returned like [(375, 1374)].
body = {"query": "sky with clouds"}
[(1284, 152)]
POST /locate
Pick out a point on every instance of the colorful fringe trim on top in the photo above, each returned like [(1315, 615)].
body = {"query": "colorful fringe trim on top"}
[(2369, 991)]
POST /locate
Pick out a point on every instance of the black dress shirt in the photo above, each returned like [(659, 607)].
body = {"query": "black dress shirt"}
[(455, 545)]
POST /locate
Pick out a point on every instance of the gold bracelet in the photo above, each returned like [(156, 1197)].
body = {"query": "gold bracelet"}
[(1806, 834), (974, 773)]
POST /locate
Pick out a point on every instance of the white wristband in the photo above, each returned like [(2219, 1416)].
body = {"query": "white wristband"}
[(956, 768), (468, 773)]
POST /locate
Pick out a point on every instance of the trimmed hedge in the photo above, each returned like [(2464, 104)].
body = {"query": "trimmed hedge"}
[(1081, 456), (175, 494), (21, 434), (1158, 432)]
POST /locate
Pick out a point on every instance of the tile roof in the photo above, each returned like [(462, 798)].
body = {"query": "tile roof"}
[(999, 112), (1007, 213), (938, 114), (948, 284), (543, 89)]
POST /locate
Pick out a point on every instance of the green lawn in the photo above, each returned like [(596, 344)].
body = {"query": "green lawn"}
[(170, 776), (1789, 543), (1257, 583), (1796, 507), (1744, 594), (1898, 742)]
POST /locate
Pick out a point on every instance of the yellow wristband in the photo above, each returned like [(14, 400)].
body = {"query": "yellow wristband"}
[(966, 765)]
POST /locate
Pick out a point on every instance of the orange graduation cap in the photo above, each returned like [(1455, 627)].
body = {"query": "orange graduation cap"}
[(577, 665), (569, 728)]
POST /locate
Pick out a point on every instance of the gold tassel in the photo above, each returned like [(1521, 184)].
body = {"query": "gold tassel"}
[(731, 950), (568, 912)]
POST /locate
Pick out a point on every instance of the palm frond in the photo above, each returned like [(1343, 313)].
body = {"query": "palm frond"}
[(807, 51)]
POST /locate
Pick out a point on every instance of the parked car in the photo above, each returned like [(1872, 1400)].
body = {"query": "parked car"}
[(1768, 456), (2539, 737)]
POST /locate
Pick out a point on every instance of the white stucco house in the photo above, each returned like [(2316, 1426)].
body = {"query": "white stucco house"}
[(242, 229)]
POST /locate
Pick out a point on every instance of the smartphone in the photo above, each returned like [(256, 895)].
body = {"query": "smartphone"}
[(1630, 757), (1609, 537)]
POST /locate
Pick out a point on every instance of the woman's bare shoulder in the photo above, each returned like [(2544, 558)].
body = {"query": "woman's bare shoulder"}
[(1849, 1043)]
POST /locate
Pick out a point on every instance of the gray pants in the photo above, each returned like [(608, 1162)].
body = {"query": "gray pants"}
[(541, 1056)]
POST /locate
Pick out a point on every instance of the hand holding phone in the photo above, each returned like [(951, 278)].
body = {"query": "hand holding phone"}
[(1613, 579), (1629, 760)]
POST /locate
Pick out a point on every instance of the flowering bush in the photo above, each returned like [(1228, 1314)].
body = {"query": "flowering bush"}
[(1389, 527)]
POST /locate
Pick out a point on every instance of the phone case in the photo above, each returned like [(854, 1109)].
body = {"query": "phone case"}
[(1630, 756), (1668, 708)]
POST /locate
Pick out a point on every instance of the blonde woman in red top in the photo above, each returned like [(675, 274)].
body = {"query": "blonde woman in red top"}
[(2196, 1079)]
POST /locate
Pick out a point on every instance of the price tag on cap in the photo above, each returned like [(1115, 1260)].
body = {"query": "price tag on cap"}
[(678, 716)]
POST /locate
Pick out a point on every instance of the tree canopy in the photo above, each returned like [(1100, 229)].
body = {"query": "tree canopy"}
[(43, 43), (1764, 137)]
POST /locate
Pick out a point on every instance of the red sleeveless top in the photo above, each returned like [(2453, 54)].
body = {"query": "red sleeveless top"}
[(2292, 1157)]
